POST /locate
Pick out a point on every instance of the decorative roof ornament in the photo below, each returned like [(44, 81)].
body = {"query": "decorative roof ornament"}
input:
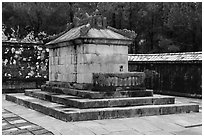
[(97, 24), (96, 20)]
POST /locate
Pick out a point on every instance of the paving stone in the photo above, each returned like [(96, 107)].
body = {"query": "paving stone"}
[(158, 132), (16, 132), (115, 127), (34, 128), (48, 133), (9, 119), (4, 123), (93, 126), (26, 133), (17, 121), (40, 132), (9, 115), (184, 121), (189, 131), (8, 126), (22, 124), (99, 130), (86, 124), (126, 132), (26, 127), (5, 112), (140, 125), (9, 131), (33, 114), (76, 131), (161, 123)]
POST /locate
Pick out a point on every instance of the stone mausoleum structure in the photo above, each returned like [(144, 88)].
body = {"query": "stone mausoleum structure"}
[(89, 78)]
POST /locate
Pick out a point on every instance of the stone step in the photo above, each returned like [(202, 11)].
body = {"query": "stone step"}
[(65, 113), (74, 101), (96, 95)]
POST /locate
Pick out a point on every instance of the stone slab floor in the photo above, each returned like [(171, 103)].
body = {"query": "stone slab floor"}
[(176, 124), (12, 124)]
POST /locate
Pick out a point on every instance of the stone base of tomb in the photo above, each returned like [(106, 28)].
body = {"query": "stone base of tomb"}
[(106, 82), (96, 94), (74, 108)]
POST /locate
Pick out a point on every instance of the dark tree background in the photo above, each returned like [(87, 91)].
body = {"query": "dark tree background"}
[(160, 27)]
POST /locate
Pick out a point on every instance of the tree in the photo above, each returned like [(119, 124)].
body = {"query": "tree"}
[(179, 22)]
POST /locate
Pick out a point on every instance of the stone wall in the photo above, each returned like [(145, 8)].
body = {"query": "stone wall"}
[(62, 64), (98, 58), (76, 64)]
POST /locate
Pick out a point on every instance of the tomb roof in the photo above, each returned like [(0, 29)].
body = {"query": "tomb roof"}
[(93, 27)]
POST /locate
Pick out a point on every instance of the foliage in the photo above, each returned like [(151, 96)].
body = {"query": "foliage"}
[(24, 61), (179, 24)]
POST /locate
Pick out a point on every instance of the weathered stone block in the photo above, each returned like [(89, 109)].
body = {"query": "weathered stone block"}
[(67, 59), (71, 77), (50, 61), (73, 59), (84, 78), (53, 61), (104, 49), (56, 62), (87, 58), (80, 59), (52, 69), (120, 49), (62, 60), (84, 68), (59, 77), (64, 51), (80, 49), (95, 68), (62, 69), (104, 81), (70, 68), (50, 76), (89, 48), (56, 52), (107, 68), (50, 52), (120, 58), (64, 77)]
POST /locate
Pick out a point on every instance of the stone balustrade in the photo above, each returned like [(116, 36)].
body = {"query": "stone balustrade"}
[(114, 81)]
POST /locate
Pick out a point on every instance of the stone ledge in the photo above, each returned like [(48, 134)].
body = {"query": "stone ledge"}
[(69, 114), (77, 102), (97, 95), (123, 81)]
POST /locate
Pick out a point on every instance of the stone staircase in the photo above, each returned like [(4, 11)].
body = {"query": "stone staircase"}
[(79, 105)]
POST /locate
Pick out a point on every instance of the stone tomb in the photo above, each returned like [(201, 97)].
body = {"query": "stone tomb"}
[(93, 58), (89, 79)]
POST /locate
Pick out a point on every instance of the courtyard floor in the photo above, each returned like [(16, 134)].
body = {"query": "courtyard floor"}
[(19, 120)]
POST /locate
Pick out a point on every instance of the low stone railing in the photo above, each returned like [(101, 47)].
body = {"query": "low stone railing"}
[(114, 81)]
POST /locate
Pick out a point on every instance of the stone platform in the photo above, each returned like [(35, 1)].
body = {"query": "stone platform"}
[(97, 95), (75, 108), (75, 101)]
